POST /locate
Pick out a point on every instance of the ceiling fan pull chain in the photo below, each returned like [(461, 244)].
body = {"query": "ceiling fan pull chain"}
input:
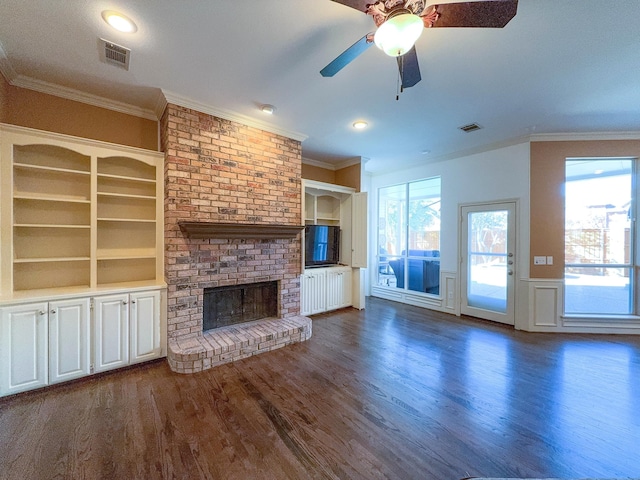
[(399, 81)]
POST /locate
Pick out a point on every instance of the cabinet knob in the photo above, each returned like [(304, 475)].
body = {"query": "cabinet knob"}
[(124, 302), (53, 310), (42, 312), (133, 301)]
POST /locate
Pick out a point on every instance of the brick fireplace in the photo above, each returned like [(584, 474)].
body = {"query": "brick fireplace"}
[(232, 217)]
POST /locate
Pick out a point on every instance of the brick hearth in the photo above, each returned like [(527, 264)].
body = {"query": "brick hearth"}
[(224, 172), (235, 342)]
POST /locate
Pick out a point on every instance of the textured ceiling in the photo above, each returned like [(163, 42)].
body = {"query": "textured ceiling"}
[(558, 66)]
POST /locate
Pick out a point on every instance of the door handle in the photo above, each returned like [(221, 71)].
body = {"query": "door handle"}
[(510, 272)]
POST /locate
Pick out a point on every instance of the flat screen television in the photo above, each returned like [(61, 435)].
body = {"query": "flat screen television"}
[(321, 245)]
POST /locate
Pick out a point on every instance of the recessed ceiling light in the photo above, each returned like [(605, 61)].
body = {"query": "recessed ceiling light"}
[(359, 125), (268, 109), (120, 22), (425, 152)]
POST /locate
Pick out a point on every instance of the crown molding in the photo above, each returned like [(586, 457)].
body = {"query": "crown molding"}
[(161, 105), (78, 96), (41, 86), (538, 137), (232, 116), (335, 166), (564, 137), (5, 66), (351, 161), (318, 163)]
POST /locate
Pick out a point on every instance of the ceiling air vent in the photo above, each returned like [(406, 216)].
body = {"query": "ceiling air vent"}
[(114, 54), (472, 127)]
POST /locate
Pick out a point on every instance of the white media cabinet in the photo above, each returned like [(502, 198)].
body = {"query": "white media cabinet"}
[(328, 288)]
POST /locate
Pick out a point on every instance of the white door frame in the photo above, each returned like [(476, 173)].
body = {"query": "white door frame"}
[(512, 206)]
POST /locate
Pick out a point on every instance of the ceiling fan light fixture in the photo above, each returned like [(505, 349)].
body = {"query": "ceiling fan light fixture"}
[(120, 22), (397, 35)]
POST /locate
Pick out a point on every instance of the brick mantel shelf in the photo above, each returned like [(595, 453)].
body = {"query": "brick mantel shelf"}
[(239, 230)]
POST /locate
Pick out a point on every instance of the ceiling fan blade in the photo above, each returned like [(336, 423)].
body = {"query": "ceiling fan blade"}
[(360, 5), (409, 68), (485, 14), (346, 57)]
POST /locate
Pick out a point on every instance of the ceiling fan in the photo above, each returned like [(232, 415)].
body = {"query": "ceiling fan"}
[(400, 23)]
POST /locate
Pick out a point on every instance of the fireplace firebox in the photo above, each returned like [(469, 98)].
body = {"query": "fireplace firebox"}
[(229, 305)]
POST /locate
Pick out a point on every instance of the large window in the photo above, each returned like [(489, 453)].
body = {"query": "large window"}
[(599, 236), (408, 255)]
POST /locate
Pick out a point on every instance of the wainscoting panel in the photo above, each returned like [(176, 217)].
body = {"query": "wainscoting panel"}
[(546, 304), (450, 293)]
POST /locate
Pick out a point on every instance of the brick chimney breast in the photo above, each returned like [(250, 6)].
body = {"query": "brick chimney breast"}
[(217, 170)]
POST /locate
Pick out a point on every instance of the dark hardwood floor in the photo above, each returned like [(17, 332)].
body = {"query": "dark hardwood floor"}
[(392, 392)]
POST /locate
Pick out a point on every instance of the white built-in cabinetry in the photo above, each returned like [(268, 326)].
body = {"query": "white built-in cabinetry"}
[(82, 222), (126, 329), (338, 287), (328, 288), (324, 289), (313, 291)]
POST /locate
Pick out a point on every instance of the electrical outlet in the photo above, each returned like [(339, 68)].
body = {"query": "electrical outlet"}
[(539, 260), (549, 260)]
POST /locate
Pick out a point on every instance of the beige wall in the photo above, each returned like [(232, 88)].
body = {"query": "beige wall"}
[(547, 194), (27, 108), (311, 172), (347, 177)]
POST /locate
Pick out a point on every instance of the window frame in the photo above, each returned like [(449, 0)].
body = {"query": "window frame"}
[(634, 295), (382, 259)]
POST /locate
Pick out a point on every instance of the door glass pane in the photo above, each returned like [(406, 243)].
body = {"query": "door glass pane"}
[(598, 236), (487, 260)]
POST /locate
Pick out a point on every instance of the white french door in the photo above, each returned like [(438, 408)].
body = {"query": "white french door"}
[(488, 261)]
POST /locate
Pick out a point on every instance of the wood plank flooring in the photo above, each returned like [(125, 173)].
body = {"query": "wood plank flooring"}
[(390, 392)]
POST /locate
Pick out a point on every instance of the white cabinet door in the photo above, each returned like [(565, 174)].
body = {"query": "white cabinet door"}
[(144, 322), (346, 289), (313, 291), (318, 291), (338, 288), (306, 293), (111, 338), (23, 347), (334, 289), (69, 340)]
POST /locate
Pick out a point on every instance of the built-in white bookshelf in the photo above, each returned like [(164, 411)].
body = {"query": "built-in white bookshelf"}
[(78, 214)]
